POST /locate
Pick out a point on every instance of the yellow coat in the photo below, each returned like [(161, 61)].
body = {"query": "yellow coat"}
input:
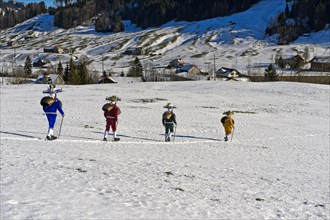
[(229, 125)]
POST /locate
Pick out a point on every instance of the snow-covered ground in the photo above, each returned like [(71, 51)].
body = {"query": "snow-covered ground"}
[(276, 167)]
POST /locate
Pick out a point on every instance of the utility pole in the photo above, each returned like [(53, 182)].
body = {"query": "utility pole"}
[(2, 70), (3, 63), (13, 61), (213, 66), (102, 64)]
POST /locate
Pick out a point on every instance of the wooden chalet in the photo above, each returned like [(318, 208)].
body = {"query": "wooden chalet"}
[(192, 69), (135, 51), (40, 63), (54, 49)]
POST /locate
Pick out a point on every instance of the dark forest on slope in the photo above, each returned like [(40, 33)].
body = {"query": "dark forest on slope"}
[(12, 13), (299, 16)]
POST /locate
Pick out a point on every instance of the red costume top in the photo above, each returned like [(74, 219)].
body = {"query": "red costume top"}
[(112, 114)]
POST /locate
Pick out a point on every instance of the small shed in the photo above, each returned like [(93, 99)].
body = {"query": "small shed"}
[(50, 79), (54, 49), (320, 63), (12, 43), (231, 74), (28, 37), (192, 69), (40, 62), (106, 79), (135, 51)]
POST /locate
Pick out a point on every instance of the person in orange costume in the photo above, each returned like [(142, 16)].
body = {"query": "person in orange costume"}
[(228, 123)]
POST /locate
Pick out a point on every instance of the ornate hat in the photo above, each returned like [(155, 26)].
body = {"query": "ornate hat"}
[(228, 113), (169, 105)]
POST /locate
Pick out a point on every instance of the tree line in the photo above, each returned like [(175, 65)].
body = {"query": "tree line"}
[(144, 13), (157, 12), (74, 73), (105, 14)]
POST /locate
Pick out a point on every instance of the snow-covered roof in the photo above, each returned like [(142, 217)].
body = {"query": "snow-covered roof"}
[(321, 59)]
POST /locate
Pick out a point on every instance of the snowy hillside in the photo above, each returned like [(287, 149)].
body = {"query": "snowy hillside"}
[(276, 167), (236, 41)]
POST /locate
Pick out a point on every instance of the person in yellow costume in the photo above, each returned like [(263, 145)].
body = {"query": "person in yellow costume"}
[(228, 123)]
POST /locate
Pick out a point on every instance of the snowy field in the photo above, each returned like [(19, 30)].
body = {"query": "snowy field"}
[(276, 167)]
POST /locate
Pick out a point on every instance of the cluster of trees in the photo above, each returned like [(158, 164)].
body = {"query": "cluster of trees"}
[(294, 64), (28, 67), (270, 73), (144, 13), (75, 73), (14, 13), (105, 14), (73, 14), (304, 16), (154, 13), (106, 24), (136, 69)]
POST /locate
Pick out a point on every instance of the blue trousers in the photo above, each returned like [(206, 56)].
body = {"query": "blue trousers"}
[(51, 120)]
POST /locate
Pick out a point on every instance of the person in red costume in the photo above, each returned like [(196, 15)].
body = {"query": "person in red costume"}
[(111, 115)]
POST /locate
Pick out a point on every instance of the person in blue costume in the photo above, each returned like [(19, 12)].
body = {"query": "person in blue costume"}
[(51, 113)]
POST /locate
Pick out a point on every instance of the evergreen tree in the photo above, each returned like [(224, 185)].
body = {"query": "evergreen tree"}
[(60, 69), (73, 73), (118, 25), (281, 63), (287, 11), (136, 70), (66, 74), (83, 73), (28, 66), (270, 73), (102, 24)]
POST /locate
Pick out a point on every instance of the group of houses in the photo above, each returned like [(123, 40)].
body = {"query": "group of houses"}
[(183, 70), (187, 71)]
